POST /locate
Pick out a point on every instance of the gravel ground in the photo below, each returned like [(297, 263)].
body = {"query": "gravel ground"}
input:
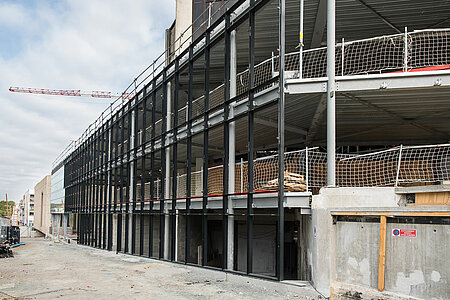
[(42, 269)]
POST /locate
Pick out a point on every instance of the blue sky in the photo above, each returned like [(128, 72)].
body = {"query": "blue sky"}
[(70, 44)]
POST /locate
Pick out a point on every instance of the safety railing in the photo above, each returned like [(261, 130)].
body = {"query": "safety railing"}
[(306, 169)]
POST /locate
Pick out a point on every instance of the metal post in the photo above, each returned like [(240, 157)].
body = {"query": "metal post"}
[(398, 165), (174, 254), (207, 58), (251, 116), (273, 65), (209, 15), (281, 105), (167, 172), (231, 152), (331, 95), (131, 176), (405, 58), (301, 45), (242, 175), (307, 169), (189, 158), (342, 57)]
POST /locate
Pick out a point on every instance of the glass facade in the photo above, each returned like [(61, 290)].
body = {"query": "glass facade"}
[(58, 192)]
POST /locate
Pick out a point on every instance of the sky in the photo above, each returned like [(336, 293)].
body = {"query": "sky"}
[(67, 44)]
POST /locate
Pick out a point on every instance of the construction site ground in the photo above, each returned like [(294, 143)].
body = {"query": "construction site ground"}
[(43, 269)]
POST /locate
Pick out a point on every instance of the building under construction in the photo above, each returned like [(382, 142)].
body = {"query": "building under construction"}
[(285, 139)]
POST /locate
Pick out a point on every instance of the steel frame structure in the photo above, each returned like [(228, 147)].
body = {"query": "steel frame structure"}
[(102, 174)]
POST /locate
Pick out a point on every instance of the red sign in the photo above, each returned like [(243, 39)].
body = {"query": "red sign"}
[(404, 232)]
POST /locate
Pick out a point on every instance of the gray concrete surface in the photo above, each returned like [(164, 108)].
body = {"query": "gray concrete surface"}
[(42, 269)]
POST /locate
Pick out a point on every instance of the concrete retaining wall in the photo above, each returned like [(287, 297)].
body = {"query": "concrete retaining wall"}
[(346, 253)]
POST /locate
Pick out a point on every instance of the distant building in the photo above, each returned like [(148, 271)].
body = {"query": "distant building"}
[(28, 208), (42, 205)]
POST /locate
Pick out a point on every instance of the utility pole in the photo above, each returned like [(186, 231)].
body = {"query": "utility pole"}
[(7, 207)]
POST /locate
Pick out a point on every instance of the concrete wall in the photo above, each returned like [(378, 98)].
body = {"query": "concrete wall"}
[(42, 193), (183, 21), (357, 253), (420, 266), (322, 246), (344, 256), (417, 267)]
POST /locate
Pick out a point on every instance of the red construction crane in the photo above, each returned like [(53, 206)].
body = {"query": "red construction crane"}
[(76, 93)]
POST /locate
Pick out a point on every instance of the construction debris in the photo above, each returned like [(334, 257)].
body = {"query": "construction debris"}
[(5, 251), (293, 182)]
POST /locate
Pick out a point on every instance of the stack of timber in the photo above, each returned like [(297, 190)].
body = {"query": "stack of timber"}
[(293, 182)]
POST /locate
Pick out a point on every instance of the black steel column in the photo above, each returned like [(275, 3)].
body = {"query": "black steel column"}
[(205, 153), (226, 136), (152, 167), (251, 115), (189, 159), (175, 159)]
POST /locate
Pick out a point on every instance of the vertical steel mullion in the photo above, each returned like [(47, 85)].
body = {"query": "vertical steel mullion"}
[(205, 153), (163, 167), (152, 167), (128, 177), (110, 188), (226, 141), (251, 82), (143, 174), (127, 167), (101, 187), (104, 184), (175, 158), (94, 190), (281, 116), (91, 192), (119, 161), (189, 159), (135, 163), (115, 160), (96, 186)]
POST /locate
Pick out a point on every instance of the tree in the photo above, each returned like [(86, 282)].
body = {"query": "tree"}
[(3, 210)]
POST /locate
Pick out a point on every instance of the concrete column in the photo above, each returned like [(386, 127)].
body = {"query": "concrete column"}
[(58, 220), (232, 152), (53, 225), (167, 173), (65, 218)]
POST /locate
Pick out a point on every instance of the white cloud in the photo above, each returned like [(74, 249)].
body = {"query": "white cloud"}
[(89, 45)]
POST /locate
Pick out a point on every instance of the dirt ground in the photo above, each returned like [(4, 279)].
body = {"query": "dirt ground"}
[(42, 269)]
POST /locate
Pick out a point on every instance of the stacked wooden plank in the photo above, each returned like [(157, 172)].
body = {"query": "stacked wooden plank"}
[(293, 182)]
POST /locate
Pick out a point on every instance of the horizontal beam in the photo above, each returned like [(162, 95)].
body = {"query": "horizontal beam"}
[(388, 81), (394, 214)]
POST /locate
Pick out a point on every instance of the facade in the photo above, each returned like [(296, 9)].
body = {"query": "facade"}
[(28, 208), (42, 192), (254, 151)]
